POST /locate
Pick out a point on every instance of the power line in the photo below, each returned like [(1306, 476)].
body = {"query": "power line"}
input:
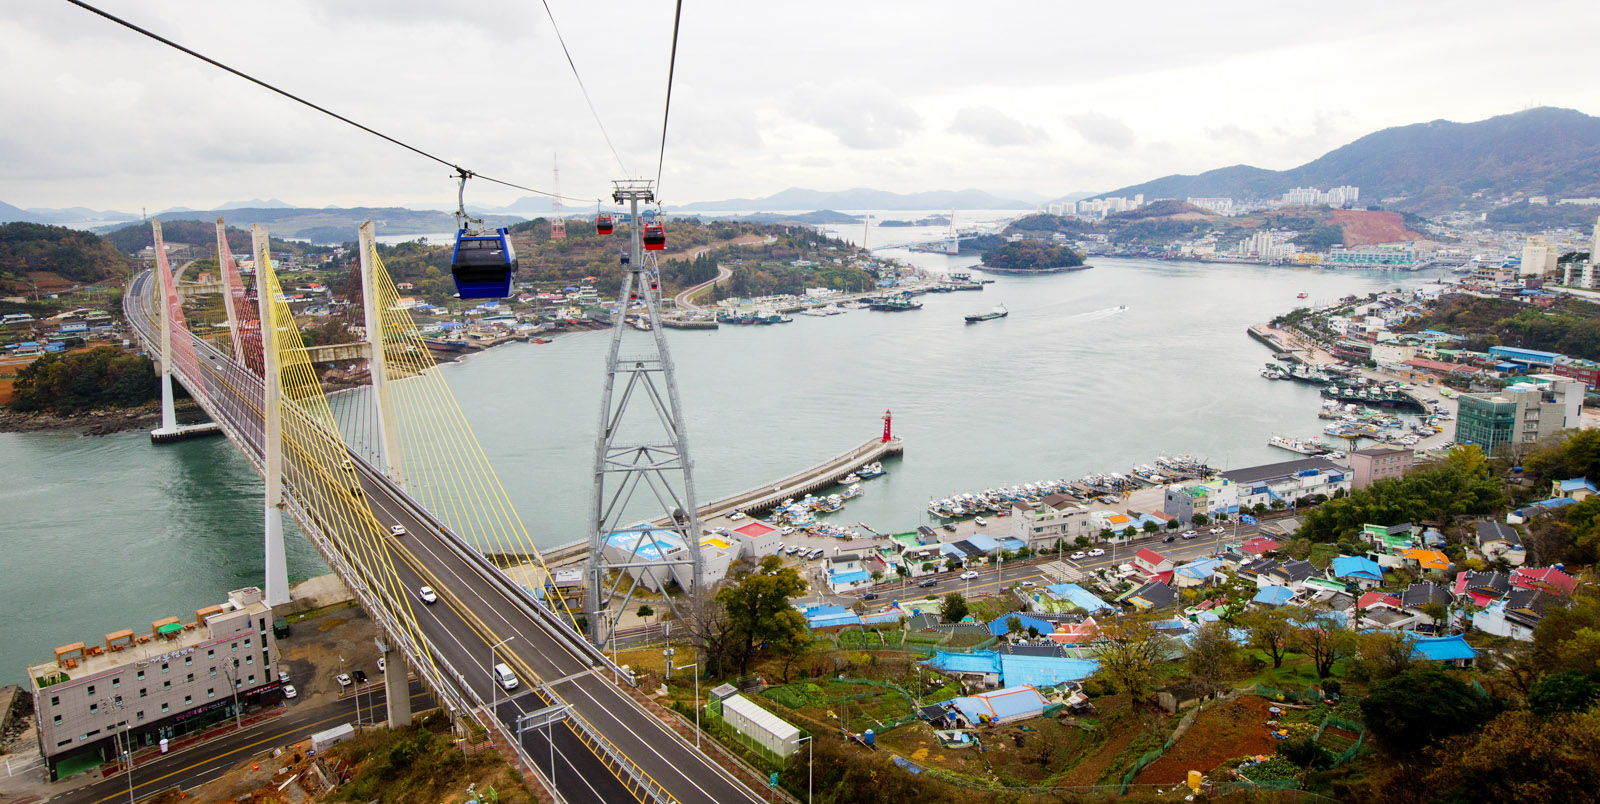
[(582, 88), (297, 99), (672, 66)]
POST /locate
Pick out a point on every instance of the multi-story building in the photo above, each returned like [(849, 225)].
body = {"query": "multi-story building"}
[(1053, 518), (1375, 463), (1220, 206), (1288, 482), (1539, 257), (1385, 255), (1520, 414), (1581, 274), (1584, 371), (140, 690)]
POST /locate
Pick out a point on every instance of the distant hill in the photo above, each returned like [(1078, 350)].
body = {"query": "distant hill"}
[(333, 224), (814, 218), (1428, 167), (9, 214), (862, 198), (40, 257)]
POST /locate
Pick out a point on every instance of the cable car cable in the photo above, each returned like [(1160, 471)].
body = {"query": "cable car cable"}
[(582, 88), (672, 66), (297, 99)]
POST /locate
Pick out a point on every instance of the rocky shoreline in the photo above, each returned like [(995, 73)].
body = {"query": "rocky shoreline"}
[(90, 423)]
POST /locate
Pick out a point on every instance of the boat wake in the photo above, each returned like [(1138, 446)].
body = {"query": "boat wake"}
[(1106, 313)]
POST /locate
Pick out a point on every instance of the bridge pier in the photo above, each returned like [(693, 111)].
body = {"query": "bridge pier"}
[(396, 685)]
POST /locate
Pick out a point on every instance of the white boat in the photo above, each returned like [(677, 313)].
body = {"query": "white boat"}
[(871, 470), (1304, 447), (852, 492), (848, 479)]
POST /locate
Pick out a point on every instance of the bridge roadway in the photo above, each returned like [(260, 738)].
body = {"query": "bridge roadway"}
[(477, 609)]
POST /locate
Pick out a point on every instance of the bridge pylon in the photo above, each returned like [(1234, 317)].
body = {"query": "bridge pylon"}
[(169, 295), (642, 468), (377, 364), (277, 565)]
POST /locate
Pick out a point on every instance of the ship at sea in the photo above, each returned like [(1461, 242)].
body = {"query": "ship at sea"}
[(999, 311), (894, 304)]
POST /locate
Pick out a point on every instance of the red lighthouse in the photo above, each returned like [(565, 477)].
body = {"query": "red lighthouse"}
[(887, 430)]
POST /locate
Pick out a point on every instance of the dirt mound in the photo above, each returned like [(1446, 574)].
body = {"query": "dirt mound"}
[(1233, 729), (1365, 227)]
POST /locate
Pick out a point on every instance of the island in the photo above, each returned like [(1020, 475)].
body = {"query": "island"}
[(1032, 257)]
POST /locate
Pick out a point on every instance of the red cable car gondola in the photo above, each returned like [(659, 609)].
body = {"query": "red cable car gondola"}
[(602, 224), (655, 237)]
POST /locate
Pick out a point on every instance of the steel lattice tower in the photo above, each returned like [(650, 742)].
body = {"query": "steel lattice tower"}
[(643, 526)]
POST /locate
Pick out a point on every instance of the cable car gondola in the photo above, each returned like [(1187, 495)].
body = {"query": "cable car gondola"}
[(655, 237), (483, 263), (602, 224)]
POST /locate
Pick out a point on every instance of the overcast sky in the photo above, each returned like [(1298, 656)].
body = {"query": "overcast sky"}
[(1032, 100)]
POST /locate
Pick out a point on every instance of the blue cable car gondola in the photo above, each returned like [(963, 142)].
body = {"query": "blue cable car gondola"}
[(655, 237), (602, 224), (483, 264)]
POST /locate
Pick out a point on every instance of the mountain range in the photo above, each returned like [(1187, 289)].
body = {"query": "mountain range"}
[(859, 198), (1427, 167)]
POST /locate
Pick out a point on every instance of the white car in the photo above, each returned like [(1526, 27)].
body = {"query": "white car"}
[(1078, 556), (343, 679), (427, 595), (786, 530), (736, 516), (1028, 584), (289, 691), (283, 676), (1096, 553), (1190, 534), (397, 530), (1218, 529), (981, 521), (969, 575), (381, 667)]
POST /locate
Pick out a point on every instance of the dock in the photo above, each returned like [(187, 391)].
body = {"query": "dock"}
[(765, 497), (184, 432)]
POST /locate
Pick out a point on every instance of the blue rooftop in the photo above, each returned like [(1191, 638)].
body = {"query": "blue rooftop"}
[(1002, 624), (1444, 649), (1202, 569), (983, 542), (828, 616), (1577, 484), (1003, 704), (854, 576), (652, 545), (1044, 671), (1357, 567), (1078, 596), (1274, 595), (983, 661), (1012, 543)]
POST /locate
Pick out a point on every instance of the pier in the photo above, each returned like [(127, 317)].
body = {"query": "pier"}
[(765, 497)]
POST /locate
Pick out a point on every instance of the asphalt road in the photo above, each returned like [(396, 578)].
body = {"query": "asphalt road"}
[(201, 763), (473, 613)]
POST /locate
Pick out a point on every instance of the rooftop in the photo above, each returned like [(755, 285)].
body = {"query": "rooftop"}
[(1269, 471)]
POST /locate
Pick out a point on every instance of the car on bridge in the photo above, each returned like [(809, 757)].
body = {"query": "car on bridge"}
[(427, 595)]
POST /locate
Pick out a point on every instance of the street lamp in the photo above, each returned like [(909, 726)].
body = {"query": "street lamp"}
[(230, 674), (696, 668), (807, 740), (494, 686), (126, 746)]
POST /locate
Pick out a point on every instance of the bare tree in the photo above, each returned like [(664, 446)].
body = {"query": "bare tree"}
[(1128, 656)]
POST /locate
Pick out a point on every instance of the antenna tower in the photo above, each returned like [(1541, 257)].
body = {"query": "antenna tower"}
[(558, 224)]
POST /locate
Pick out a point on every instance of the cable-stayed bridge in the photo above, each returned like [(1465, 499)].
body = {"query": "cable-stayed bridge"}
[(395, 492)]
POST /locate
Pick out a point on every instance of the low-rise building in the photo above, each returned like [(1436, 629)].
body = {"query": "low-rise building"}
[(180, 678), (1376, 463), (772, 733)]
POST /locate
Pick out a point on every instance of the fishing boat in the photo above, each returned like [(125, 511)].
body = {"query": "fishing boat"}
[(999, 311), (849, 479), (1341, 430), (871, 470), (894, 304), (852, 492), (1304, 447), (1301, 296)]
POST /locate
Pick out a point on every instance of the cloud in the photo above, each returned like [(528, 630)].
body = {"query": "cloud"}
[(863, 116), (1234, 135), (991, 126), (1102, 129)]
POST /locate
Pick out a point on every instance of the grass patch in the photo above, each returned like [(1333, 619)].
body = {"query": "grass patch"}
[(422, 764)]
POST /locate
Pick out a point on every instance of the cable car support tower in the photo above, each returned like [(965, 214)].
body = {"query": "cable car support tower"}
[(644, 531)]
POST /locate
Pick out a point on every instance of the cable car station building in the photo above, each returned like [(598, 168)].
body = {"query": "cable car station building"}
[(140, 689)]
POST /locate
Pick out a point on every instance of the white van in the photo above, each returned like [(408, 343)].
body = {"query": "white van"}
[(507, 679)]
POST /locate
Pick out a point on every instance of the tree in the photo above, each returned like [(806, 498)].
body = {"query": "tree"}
[(758, 607), (1014, 626), (1566, 691), (1383, 654), (1106, 534), (645, 611), (1237, 590), (1211, 658), (1200, 520), (1128, 656), (1568, 638), (1420, 706), (1269, 631), (1521, 757), (1129, 532), (954, 608), (1151, 527), (1324, 639), (1173, 524)]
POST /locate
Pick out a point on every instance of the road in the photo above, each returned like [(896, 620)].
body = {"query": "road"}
[(684, 297), (477, 609), (201, 763)]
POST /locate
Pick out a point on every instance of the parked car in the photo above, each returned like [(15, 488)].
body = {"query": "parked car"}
[(950, 527), (787, 530), (969, 575), (1096, 553), (1078, 556), (736, 516), (283, 676), (343, 679), (359, 675), (795, 549), (981, 521), (289, 691)]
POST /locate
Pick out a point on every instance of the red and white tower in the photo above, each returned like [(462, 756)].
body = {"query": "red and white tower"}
[(888, 430)]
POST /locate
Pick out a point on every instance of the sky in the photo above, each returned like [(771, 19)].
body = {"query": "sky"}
[(1025, 100)]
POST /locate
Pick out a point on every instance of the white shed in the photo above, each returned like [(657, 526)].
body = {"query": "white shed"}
[(761, 726)]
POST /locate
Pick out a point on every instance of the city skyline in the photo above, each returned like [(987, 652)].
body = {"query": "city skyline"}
[(895, 97)]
